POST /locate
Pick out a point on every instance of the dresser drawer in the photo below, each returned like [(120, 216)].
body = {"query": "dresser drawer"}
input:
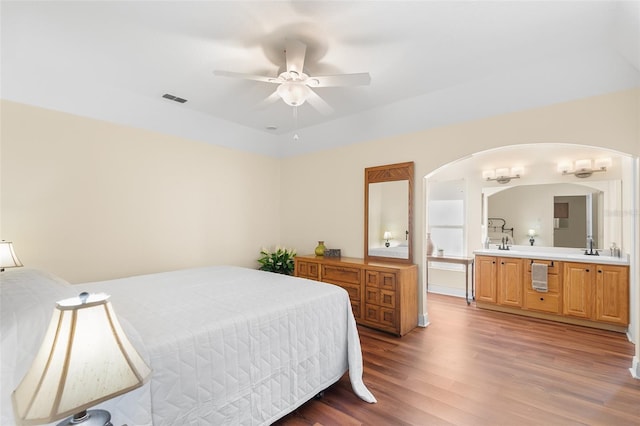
[(381, 315), (380, 297), (356, 309), (307, 270), (545, 302), (352, 289), (385, 280), (341, 274)]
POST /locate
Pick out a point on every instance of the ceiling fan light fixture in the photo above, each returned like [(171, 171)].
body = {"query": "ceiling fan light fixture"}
[(293, 94)]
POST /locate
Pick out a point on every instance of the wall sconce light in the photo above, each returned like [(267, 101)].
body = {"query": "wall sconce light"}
[(387, 237), (584, 168), (531, 234), (502, 175)]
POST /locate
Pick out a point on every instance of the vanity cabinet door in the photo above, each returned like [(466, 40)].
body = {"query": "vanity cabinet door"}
[(578, 289), (612, 294), (485, 275), (510, 287)]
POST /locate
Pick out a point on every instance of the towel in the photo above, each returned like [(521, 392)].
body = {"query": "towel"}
[(539, 277)]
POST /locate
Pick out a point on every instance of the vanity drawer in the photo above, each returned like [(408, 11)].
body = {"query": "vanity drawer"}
[(545, 302), (341, 274), (553, 283), (553, 266)]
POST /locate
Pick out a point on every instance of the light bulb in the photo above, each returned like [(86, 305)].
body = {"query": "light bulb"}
[(293, 93)]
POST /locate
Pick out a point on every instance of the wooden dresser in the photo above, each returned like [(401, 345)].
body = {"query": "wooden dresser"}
[(384, 295)]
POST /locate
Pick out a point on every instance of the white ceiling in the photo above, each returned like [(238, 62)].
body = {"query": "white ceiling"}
[(431, 63)]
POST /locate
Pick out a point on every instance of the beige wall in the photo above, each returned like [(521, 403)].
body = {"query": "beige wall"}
[(89, 200)]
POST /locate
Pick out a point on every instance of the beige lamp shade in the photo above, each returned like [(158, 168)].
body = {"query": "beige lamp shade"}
[(8, 258), (85, 359)]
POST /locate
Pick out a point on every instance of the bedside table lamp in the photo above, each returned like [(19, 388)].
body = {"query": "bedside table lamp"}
[(387, 237), (8, 258), (85, 359)]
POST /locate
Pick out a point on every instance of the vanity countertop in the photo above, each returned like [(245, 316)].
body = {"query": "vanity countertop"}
[(573, 255)]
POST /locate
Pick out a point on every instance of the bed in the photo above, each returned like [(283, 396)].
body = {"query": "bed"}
[(497, 230), (398, 251), (227, 345)]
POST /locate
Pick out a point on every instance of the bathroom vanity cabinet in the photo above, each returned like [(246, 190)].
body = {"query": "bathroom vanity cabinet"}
[(499, 280), (585, 292), (596, 292)]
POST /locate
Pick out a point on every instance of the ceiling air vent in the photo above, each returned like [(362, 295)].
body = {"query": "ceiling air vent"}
[(174, 98)]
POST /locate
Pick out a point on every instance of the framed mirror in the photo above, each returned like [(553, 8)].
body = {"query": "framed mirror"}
[(388, 213), (559, 214)]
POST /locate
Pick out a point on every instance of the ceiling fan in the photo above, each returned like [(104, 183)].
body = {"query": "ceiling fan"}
[(294, 86)]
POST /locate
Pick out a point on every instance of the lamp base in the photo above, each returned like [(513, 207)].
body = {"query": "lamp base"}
[(88, 418)]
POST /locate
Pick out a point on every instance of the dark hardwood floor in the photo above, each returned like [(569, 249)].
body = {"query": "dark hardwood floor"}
[(477, 367)]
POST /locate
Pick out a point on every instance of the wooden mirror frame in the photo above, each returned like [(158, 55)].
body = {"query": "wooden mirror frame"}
[(389, 173)]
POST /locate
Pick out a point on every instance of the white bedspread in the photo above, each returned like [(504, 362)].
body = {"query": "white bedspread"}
[(398, 252), (227, 345)]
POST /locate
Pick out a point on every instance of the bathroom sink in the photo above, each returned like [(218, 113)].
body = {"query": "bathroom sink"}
[(553, 254)]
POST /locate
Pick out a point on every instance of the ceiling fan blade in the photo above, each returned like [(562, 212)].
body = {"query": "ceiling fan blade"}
[(340, 80), (318, 103), (294, 53), (271, 99), (232, 74)]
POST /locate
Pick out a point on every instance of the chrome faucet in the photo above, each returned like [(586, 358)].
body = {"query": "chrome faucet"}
[(590, 251), (505, 244)]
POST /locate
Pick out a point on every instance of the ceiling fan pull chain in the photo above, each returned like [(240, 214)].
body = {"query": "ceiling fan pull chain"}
[(295, 123)]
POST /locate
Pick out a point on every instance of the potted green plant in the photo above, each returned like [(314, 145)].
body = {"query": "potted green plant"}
[(279, 261)]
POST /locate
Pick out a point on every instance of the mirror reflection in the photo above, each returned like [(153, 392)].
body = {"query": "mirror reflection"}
[(576, 219), (389, 219), (556, 215)]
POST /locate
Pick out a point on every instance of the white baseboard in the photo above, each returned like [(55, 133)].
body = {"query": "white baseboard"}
[(447, 291), (423, 320), (635, 368)]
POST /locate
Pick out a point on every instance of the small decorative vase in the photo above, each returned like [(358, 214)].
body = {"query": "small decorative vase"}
[(320, 249), (430, 246)]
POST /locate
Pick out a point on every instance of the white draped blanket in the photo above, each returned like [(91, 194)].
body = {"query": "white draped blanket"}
[(227, 345)]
